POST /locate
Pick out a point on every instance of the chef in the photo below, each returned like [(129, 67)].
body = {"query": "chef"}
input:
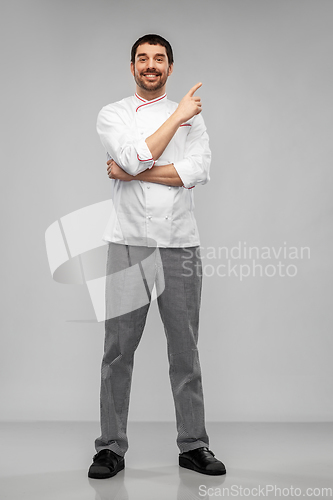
[(158, 152)]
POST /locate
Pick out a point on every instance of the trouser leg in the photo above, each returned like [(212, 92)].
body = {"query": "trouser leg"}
[(179, 306), (127, 304)]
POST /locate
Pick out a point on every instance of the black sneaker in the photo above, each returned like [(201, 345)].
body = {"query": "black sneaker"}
[(202, 460), (106, 463)]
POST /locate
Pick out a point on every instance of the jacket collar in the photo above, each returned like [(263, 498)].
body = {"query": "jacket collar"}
[(145, 102)]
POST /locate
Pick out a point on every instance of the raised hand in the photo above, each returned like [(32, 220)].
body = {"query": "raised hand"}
[(190, 105)]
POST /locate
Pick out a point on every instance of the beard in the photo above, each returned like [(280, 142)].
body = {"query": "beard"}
[(147, 85)]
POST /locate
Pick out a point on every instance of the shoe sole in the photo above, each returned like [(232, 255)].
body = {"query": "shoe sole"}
[(106, 475), (187, 464)]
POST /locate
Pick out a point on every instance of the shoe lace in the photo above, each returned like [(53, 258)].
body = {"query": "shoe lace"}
[(209, 451)]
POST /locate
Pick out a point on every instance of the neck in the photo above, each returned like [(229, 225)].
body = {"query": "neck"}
[(149, 95)]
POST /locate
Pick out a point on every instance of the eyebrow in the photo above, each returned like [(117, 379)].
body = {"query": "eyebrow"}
[(143, 54)]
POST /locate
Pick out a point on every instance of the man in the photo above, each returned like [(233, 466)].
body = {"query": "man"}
[(158, 151)]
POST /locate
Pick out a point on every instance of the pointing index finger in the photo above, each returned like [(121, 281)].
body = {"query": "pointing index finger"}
[(194, 89)]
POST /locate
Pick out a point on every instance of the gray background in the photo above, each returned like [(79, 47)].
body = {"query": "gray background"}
[(266, 68)]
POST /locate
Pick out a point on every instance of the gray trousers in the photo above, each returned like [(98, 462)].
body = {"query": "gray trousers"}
[(131, 274)]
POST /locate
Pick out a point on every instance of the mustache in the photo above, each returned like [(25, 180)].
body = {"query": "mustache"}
[(150, 73)]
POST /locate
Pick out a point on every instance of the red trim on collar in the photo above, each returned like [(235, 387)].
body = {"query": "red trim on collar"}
[(148, 102), (140, 98)]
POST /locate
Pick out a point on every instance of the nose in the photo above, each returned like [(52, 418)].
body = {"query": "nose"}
[(151, 63)]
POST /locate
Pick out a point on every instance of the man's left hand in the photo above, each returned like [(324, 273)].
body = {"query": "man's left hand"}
[(116, 172)]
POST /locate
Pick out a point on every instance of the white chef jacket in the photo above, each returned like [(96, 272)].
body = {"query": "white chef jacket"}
[(146, 213)]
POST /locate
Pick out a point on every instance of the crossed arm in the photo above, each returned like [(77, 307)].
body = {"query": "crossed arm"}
[(188, 107), (166, 174)]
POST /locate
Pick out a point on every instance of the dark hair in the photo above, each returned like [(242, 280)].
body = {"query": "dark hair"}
[(153, 40)]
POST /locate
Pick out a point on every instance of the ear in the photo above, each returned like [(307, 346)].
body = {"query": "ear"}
[(170, 69), (132, 68)]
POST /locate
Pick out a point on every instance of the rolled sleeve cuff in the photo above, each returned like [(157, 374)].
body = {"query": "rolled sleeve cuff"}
[(144, 155), (182, 168)]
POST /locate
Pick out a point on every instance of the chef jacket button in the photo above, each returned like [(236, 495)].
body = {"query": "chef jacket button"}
[(169, 187), (166, 216), (148, 187)]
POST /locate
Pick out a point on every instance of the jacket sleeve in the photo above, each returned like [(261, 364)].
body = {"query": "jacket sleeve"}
[(122, 141), (194, 168)]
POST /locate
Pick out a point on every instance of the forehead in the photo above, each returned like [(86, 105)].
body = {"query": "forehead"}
[(150, 50)]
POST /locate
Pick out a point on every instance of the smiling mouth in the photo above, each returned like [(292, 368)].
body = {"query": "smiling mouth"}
[(151, 75)]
